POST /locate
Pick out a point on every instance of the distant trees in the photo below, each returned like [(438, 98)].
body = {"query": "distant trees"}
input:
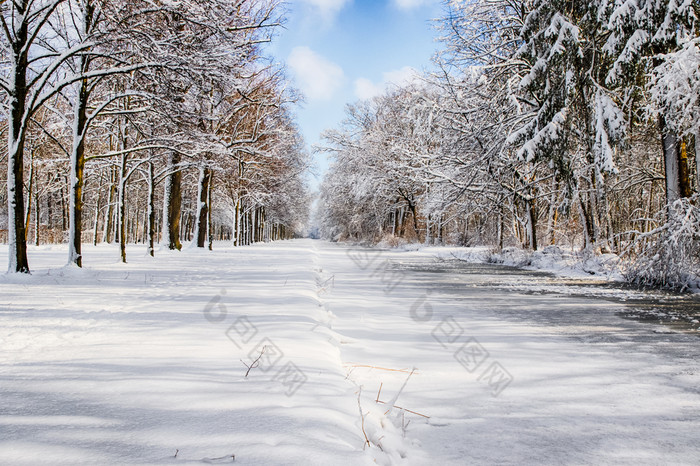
[(113, 99)]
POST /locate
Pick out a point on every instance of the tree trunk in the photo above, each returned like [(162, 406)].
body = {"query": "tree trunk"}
[(97, 209), (108, 232), (697, 161), (200, 234), (501, 227), (261, 225), (585, 224), (593, 209), (669, 143), (30, 191), (552, 214), (237, 223), (121, 208), (253, 225), (605, 218), (210, 226), (428, 226), (16, 132), (37, 212), (172, 203), (412, 206), (77, 169), (64, 209), (683, 171), (250, 220), (531, 224), (151, 222)]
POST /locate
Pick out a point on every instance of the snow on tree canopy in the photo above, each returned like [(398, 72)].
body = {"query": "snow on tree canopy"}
[(643, 28), (542, 139), (675, 88), (609, 124)]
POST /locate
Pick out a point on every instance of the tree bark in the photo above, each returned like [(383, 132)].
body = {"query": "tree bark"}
[(16, 132), (261, 225), (77, 164), (697, 161), (37, 212), (151, 210), (172, 203), (683, 171), (121, 208), (30, 190), (253, 225), (97, 209), (669, 144), (412, 207), (210, 226), (108, 234), (531, 224), (593, 209), (77, 158), (501, 227), (586, 223), (64, 209), (202, 206), (237, 223)]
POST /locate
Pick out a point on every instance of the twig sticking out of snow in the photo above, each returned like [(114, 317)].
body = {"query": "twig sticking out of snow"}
[(392, 402), (377, 400), (255, 363), (404, 424), (382, 368), (322, 285), (404, 409), (362, 416)]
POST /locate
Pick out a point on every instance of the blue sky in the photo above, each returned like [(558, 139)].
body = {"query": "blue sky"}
[(339, 51)]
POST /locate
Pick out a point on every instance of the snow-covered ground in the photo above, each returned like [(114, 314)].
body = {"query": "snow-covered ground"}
[(146, 363), (552, 259)]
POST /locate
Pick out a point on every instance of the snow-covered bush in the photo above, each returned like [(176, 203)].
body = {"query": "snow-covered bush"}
[(391, 242), (669, 256)]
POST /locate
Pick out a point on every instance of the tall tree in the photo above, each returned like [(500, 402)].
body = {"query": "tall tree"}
[(646, 35), (31, 63)]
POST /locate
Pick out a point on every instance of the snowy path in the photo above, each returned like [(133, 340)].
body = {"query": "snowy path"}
[(131, 363)]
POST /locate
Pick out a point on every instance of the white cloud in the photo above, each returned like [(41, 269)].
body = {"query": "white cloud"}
[(410, 4), (327, 9), (366, 89), (317, 77), (401, 77)]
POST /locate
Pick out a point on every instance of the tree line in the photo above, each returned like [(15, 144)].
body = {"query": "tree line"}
[(146, 121), (544, 123)]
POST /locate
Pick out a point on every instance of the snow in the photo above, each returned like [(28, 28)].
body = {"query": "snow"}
[(674, 89), (552, 259), (131, 363), (610, 126), (565, 32), (551, 132), (629, 53)]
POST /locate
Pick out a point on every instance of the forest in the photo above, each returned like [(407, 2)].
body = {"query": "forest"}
[(565, 124), (146, 121)]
